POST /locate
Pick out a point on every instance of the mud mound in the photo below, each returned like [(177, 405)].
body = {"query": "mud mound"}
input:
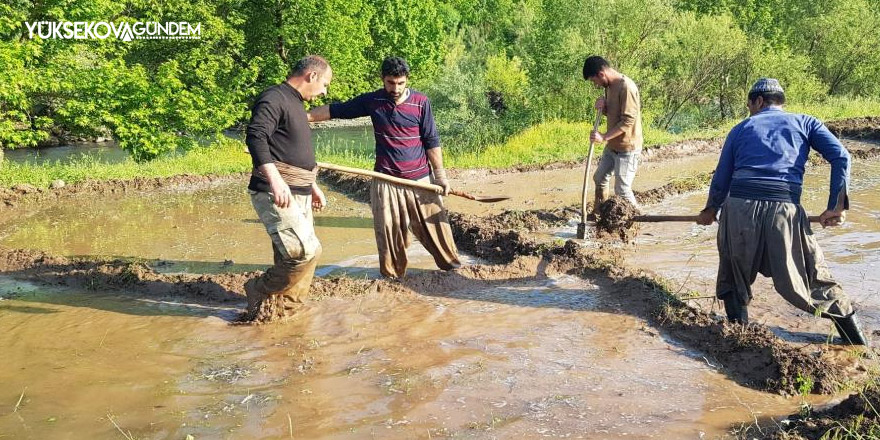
[(28, 193), (616, 218), (356, 187), (678, 186), (532, 220), (855, 417), (482, 238), (751, 355), (130, 277), (858, 128)]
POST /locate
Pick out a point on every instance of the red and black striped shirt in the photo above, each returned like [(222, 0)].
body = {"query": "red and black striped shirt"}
[(403, 131)]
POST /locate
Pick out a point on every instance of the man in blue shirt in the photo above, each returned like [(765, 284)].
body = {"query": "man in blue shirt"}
[(763, 227)]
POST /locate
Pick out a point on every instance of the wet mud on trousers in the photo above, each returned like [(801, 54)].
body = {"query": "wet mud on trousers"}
[(397, 211), (280, 291)]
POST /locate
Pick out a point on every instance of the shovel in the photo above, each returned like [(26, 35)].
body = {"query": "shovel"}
[(410, 183), (683, 218), (582, 226)]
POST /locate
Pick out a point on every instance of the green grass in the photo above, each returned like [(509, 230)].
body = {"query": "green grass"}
[(547, 142), (552, 141), (225, 157)]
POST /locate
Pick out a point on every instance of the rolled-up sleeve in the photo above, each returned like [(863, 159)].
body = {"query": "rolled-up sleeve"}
[(822, 140), (720, 187), (428, 128), (265, 115), (353, 108)]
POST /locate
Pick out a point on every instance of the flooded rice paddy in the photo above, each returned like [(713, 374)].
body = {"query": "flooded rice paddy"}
[(534, 355)]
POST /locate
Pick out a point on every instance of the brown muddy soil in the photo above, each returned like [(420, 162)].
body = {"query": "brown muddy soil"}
[(616, 218), (10, 197), (867, 128), (856, 417), (751, 355)]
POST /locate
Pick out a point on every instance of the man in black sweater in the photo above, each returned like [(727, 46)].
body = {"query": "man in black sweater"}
[(283, 188)]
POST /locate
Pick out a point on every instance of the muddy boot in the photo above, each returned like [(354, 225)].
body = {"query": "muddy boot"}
[(282, 290), (254, 296), (737, 312), (850, 330)]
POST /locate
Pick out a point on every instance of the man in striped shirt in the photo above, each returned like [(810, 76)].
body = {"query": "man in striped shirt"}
[(407, 146)]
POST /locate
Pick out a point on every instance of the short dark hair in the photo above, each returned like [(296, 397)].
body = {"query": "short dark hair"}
[(311, 63), (593, 65), (770, 98), (395, 67)]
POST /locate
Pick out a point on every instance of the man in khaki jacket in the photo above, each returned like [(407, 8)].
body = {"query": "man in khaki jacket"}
[(622, 106)]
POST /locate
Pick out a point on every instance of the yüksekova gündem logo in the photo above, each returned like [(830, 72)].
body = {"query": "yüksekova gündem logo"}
[(101, 30)]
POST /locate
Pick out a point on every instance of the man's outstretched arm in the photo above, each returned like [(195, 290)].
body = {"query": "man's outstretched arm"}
[(318, 114)]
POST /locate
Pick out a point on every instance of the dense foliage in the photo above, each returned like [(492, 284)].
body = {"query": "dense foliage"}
[(492, 67)]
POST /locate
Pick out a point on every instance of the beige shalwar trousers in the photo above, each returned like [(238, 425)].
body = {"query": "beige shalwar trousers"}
[(399, 210)]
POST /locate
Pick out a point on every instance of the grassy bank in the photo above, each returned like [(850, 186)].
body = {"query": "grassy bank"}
[(551, 141), (226, 156)]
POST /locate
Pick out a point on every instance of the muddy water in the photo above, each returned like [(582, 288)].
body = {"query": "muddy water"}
[(522, 358), (562, 187), (527, 358), (686, 253), (207, 230)]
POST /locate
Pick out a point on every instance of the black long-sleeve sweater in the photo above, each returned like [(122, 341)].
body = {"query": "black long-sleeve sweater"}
[(279, 131)]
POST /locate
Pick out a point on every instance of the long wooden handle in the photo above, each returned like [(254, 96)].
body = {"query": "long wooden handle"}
[(587, 170), (683, 218), (462, 194), (405, 182)]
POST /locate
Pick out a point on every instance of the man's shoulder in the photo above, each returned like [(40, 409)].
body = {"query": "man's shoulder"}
[(418, 96), (271, 93), (628, 83), (372, 95)]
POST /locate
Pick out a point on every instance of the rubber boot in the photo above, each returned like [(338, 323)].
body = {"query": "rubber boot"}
[(850, 330), (737, 312)]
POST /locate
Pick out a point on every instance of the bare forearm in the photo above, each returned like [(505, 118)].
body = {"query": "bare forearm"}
[(435, 157), (613, 133), (271, 172), (318, 114)]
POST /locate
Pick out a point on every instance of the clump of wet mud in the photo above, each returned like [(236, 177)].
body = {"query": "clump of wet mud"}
[(483, 238), (856, 417), (269, 308), (615, 217)]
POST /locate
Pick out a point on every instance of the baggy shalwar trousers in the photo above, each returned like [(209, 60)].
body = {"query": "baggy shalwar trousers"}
[(398, 211)]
